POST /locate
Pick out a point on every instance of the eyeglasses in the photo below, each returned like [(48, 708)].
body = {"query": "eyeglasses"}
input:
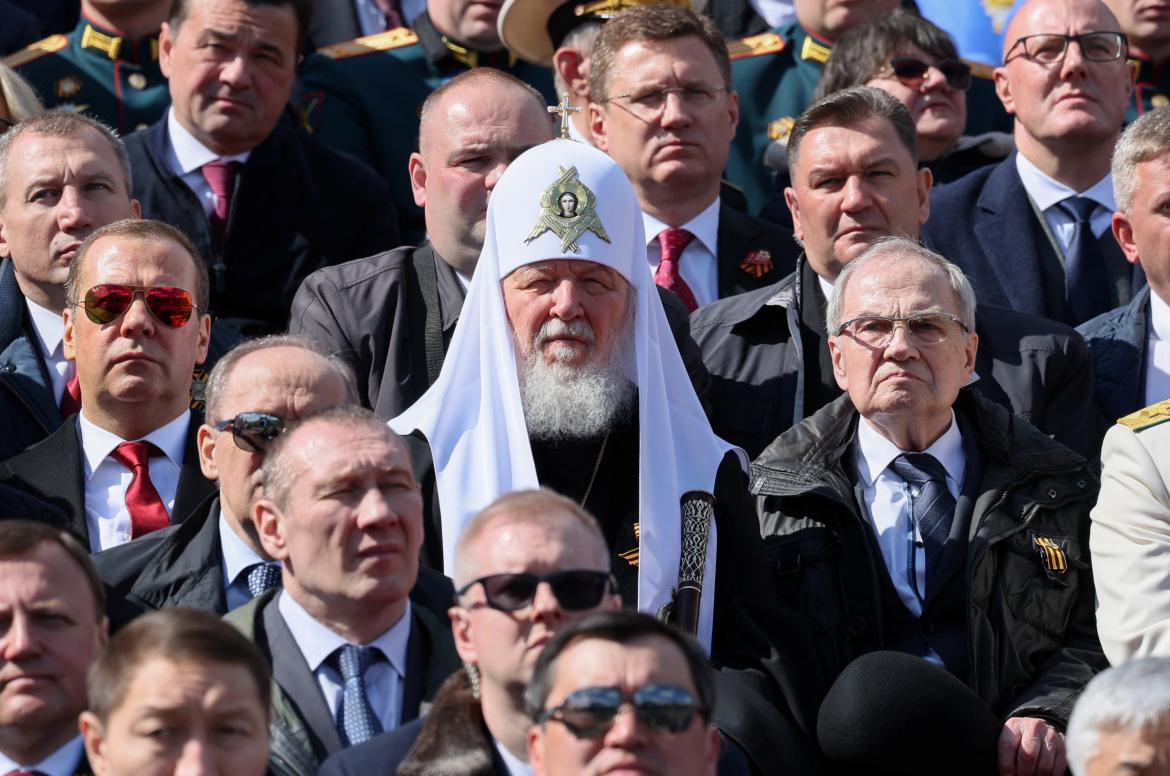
[(912, 71), (589, 712), (650, 105), (169, 305), (1050, 48), (574, 590), (253, 432), (924, 329)]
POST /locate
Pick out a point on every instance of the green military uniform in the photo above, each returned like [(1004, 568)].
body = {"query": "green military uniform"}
[(1151, 88), (99, 73), (364, 96), (775, 75)]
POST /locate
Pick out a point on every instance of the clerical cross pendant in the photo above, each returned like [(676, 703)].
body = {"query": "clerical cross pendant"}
[(563, 110)]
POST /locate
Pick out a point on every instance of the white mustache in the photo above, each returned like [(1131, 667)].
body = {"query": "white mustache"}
[(555, 327)]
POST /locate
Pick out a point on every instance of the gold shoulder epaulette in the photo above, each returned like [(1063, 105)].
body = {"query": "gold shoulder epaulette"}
[(49, 45), (817, 52), (1147, 417), (756, 46), (980, 70), (383, 41)]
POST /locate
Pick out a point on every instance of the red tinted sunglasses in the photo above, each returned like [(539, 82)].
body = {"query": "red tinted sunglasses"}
[(169, 305), (912, 72)]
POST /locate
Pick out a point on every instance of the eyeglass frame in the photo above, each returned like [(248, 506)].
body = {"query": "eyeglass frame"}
[(1123, 46), (681, 91), (905, 321), (237, 436), (609, 589), (135, 291), (693, 705)]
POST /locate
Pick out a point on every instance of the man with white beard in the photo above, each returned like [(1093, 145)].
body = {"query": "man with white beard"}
[(563, 373)]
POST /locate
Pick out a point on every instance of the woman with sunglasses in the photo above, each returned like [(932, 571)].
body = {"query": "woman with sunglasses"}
[(917, 63)]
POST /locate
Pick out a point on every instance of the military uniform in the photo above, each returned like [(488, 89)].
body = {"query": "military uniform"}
[(364, 96), (1151, 88), (775, 74), (97, 72)]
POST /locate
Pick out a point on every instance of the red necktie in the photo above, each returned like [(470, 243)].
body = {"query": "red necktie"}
[(674, 242), (23, 772), (391, 12), (71, 396), (221, 177), (147, 512)]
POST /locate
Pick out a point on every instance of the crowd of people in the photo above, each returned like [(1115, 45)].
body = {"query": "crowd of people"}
[(428, 387)]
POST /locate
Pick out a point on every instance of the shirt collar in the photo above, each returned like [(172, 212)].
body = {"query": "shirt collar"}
[(1159, 318), (317, 642), (238, 555), (189, 152), (97, 443), (704, 226), (1046, 191), (875, 452), (514, 765), (62, 762), (50, 326)]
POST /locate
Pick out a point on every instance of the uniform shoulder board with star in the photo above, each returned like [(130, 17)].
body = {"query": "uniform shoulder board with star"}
[(567, 209)]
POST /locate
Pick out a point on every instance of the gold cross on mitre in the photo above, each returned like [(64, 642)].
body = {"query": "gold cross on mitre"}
[(563, 110)]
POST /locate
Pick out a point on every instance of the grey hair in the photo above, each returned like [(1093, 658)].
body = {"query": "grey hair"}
[(60, 123), (217, 380), (902, 246), (1145, 139), (1127, 697), (581, 39), (18, 94)]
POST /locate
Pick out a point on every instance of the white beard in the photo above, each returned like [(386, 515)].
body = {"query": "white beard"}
[(569, 402)]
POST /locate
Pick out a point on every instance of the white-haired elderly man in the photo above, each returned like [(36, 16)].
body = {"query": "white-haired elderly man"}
[(912, 516), (1121, 723)]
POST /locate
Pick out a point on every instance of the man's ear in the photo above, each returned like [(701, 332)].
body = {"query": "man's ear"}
[(573, 71), (269, 522), (1123, 233), (794, 209), (838, 363), (417, 169), (461, 629), (925, 181), (68, 348), (597, 127), (94, 735), (205, 440), (166, 41), (1003, 89)]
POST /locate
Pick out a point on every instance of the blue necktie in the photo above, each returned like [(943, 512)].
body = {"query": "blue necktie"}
[(1086, 282), (933, 509), (262, 577), (355, 717)]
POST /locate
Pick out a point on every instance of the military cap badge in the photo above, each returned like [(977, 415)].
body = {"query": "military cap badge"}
[(568, 210)]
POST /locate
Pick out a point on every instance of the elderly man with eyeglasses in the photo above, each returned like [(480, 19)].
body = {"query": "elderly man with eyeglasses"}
[(1032, 232), (914, 519)]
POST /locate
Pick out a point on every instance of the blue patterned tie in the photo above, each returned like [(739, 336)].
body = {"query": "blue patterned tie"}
[(933, 509), (1086, 282), (262, 577), (355, 718)]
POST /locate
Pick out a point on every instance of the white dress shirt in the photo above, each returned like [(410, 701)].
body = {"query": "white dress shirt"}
[(62, 762), (1047, 193), (384, 679), (697, 265), (514, 765), (884, 495), (186, 157), (50, 327), (238, 557), (106, 480), (1157, 377)]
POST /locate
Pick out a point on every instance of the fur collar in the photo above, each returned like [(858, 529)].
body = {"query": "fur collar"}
[(454, 740)]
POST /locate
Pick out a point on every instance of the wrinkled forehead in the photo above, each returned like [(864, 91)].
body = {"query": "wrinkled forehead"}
[(898, 283)]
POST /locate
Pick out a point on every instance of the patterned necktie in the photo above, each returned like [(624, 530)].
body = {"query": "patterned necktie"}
[(673, 243), (933, 509), (1086, 282), (147, 512), (262, 577), (71, 396), (355, 717), (221, 177)]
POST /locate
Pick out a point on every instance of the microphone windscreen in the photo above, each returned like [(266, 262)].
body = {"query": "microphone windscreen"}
[(894, 713)]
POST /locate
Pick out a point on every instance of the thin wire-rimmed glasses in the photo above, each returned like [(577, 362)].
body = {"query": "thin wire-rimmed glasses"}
[(649, 105), (925, 329)]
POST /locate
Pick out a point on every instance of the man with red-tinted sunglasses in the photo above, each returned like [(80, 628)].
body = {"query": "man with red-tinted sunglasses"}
[(135, 325)]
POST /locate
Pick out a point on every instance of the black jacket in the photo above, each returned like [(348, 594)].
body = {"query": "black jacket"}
[(759, 350), (1031, 636), (298, 206), (28, 410)]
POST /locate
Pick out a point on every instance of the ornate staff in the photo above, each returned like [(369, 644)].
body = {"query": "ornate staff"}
[(698, 508)]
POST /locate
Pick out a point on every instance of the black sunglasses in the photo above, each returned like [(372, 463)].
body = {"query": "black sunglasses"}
[(252, 432), (574, 590), (912, 72), (589, 712)]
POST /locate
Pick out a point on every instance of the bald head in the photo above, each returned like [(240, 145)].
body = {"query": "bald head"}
[(1037, 16)]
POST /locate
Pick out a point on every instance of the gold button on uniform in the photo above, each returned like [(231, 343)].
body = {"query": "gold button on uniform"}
[(136, 80)]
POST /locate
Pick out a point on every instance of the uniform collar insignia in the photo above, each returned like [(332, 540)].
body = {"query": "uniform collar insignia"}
[(814, 50), (567, 209), (109, 45)]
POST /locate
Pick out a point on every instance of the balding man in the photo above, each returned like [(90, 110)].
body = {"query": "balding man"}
[(350, 655), (914, 516), (1032, 232)]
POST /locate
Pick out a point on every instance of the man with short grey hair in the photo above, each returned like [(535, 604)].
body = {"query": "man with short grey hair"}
[(954, 527), (1130, 345), (1121, 723)]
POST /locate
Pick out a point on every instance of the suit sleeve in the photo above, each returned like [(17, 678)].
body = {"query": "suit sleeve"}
[(320, 313), (1070, 414), (1130, 542)]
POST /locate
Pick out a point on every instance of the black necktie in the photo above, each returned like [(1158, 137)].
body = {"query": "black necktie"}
[(1086, 282), (933, 509)]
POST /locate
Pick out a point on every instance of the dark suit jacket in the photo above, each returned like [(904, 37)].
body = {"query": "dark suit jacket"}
[(985, 223), (183, 566), (298, 206), (741, 235), (1118, 342), (53, 470), (333, 21)]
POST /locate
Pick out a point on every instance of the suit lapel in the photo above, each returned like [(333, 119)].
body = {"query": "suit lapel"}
[(738, 236), (193, 488), (416, 666), (1007, 232)]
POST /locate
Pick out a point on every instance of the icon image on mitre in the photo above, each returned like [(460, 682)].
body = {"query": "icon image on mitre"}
[(567, 209)]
